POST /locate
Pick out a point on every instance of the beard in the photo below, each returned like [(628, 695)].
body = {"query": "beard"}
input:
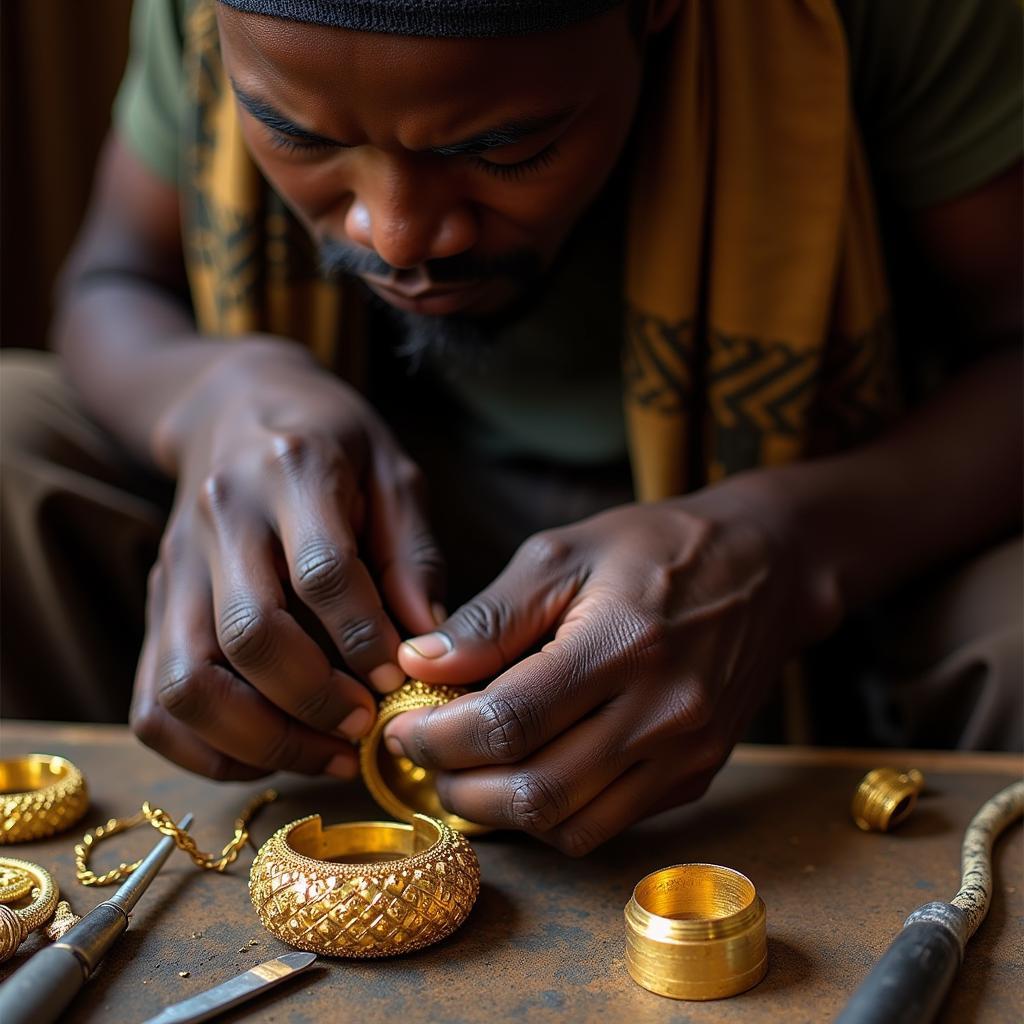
[(455, 341)]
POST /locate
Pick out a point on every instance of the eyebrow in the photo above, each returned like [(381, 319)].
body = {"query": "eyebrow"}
[(507, 134)]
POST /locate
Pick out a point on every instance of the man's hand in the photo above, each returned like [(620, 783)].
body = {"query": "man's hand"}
[(264, 618), (669, 622)]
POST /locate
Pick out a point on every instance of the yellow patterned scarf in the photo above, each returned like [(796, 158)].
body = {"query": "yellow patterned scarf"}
[(756, 330)]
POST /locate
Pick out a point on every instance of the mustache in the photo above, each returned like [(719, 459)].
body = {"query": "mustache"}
[(523, 265)]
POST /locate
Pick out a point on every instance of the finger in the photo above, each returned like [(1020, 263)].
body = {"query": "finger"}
[(222, 710), (523, 709), (547, 788), (157, 729), (309, 501), (514, 613), (406, 556), (263, 641), (645, 789)]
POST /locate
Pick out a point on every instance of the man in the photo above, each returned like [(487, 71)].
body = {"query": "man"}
[(477, 180)]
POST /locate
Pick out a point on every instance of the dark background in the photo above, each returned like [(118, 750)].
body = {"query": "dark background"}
[(60, 64)]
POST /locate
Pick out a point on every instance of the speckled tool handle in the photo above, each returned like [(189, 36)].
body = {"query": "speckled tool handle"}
[(910, 982)]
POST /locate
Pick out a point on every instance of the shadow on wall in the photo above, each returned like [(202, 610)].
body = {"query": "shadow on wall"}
[(60, 64)]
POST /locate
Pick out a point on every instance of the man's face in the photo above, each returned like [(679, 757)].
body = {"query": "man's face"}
[(444, 172)]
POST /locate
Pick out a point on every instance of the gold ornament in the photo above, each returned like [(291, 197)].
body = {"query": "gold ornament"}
[(401, 787), (696, 931), (14, 883), (16, 922), (885, 797), (364, 889), (42, 794), (64, 919)]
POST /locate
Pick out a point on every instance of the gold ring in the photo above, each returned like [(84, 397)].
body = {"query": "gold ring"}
[(17, 922), (885, 797), (696, 931), (42, 794), (366, 888), (402, 788)]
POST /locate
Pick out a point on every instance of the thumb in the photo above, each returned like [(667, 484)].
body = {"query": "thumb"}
[(409, 566), (485, 635)]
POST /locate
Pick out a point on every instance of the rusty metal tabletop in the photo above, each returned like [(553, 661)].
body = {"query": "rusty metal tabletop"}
[(545, 940)]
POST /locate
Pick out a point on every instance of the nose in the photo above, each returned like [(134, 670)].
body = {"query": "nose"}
[(407, 219)]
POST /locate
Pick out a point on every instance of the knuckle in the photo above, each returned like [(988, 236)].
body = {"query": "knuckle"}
[(424, 555), (545, 551), (358, 636), (180, 690), (245, 633), (284, 750), (317, 708), (147, 724), (507, 726), (486, 616), (215, 494), (288, 452), (409, 478), (321, 572), (174, 545), (536, 802)]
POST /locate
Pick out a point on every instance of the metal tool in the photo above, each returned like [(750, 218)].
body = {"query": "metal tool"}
[(240, 988), (38, 992), (909, 983)]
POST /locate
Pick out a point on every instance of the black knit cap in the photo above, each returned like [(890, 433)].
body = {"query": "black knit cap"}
[(454, 19)]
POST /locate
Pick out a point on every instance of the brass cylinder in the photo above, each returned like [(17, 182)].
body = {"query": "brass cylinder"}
[(885, 797), (696, 931), (403, 788)]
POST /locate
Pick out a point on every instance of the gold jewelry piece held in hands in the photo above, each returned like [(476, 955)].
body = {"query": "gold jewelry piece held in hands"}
[(885, 797), (696, 931), (162, 822), (16, 922), (42, 794), (401, 787), (364, 889)]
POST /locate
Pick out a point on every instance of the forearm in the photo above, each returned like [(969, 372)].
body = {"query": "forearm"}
[(944, 481)]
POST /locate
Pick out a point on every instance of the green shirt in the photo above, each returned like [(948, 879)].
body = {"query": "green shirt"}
[(937, 85)]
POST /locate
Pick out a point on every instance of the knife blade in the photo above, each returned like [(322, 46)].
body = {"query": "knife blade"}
[(234, 991)]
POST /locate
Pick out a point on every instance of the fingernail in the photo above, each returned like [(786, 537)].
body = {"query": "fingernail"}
[(430, 645), (439, 612), (341, 767), (394, 745), (386, 678), (356, 725)]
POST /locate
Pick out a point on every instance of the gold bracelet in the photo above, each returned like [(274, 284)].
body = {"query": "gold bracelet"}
[(401, 787), (696, 931), (17, 922), (364, 889), (42, 794)]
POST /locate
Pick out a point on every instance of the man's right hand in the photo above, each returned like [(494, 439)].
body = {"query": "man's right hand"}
[(292, 496)]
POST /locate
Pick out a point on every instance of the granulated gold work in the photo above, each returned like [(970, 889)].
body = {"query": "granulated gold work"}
[(165, 824), (364, 889), (14, 883), (64, 919), (401, 787), (696, 931), (885, 797), (42, 794), (17, 921)]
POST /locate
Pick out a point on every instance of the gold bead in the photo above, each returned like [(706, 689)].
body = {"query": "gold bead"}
[(12, 932), (885, 797)]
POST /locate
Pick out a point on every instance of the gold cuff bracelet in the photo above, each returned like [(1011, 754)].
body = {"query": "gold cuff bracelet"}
[(364, 889), (885, 797), (42, 795), (402, 788), (17, 922), (696, 931)]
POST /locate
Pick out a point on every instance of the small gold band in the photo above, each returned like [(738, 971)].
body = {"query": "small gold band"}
[(42, 794), (696, 931), (401, 787), (16, 922), (885, 797), (364, 889)]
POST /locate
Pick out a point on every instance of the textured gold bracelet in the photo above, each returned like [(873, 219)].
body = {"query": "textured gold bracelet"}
[(401, 787), (42, 794), (17, 922), (364, 889), (696, 931)]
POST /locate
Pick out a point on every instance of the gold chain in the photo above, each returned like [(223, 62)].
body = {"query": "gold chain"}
[(162, 822)]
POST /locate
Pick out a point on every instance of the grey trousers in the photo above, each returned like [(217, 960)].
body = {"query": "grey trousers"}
[(80, 524)]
